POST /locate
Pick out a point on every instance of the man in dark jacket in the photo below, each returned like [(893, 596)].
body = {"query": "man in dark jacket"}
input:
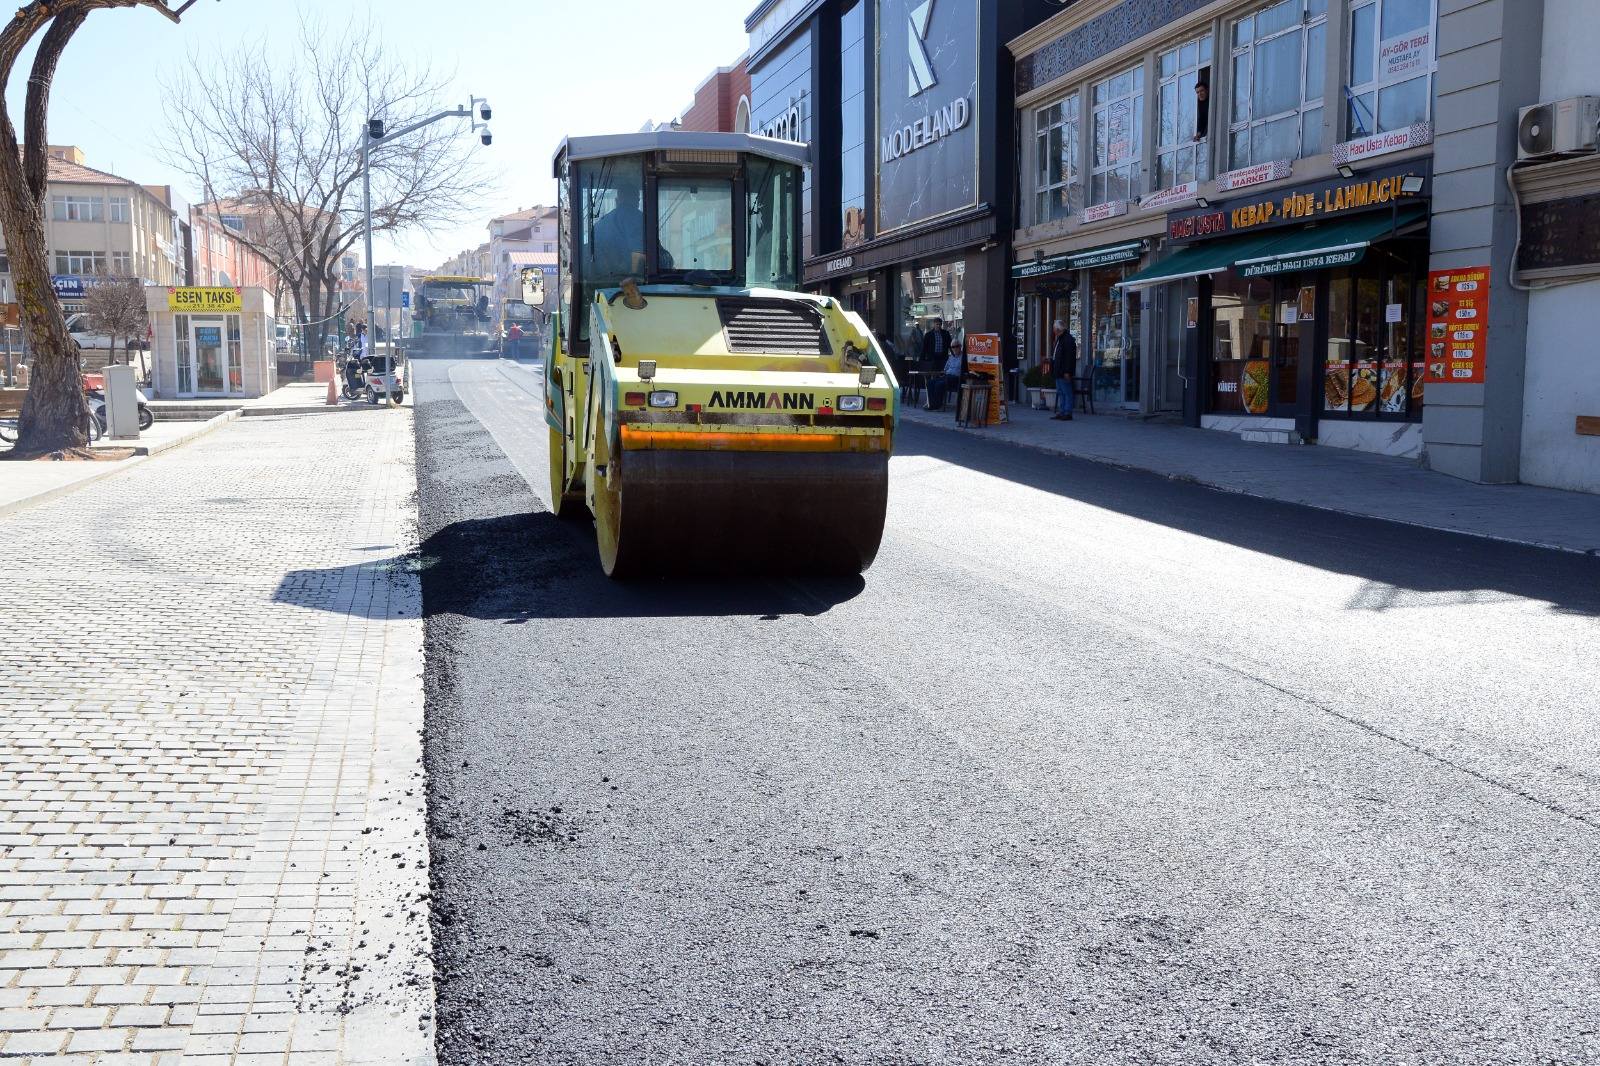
[(1064, 364), (935, 345)]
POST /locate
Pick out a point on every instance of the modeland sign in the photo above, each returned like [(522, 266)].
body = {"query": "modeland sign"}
[(927, 100), (1305, 203)]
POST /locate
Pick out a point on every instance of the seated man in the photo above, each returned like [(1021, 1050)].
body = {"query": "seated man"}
[(941, 385)]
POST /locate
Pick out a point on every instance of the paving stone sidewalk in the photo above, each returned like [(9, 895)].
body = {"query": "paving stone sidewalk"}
[(1336, 479), (212, 842)]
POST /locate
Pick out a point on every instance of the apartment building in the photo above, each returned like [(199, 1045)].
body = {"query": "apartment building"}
[(98, 224), (520, 239)]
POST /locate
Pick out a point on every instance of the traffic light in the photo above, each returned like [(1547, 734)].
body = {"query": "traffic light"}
[(375, 128)]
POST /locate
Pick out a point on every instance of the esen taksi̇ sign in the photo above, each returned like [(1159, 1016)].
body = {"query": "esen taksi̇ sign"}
[(205, 299)]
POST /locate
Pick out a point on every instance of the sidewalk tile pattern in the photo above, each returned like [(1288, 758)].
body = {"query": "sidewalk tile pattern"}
[(212, 843)]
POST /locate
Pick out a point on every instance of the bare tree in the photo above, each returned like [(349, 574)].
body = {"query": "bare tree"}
[(55, 414), (279, 142), (116, 308)]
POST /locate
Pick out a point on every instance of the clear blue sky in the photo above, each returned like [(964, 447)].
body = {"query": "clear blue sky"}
[(549, 67)]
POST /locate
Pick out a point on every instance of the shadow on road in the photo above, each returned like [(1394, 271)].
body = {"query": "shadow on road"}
[(1385, 554), (522, 566)]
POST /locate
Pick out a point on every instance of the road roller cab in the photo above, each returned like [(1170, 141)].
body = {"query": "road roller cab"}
[(710, 417)]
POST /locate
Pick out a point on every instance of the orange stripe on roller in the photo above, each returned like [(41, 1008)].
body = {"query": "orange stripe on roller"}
[(640, 439)]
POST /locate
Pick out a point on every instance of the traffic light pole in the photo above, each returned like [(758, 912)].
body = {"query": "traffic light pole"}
[(374, 131)]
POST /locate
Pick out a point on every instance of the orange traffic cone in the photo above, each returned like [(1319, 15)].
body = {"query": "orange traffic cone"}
[(333, 394)]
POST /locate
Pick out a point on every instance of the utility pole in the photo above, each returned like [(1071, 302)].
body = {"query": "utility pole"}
[(374, 132)]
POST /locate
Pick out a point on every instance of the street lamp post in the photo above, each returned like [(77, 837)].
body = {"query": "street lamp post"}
[(476, 109)]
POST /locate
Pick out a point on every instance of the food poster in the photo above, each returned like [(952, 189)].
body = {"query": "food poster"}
[(1307, 304), (1336, 385), (1255, 385), (983, 357), (1458, 325)]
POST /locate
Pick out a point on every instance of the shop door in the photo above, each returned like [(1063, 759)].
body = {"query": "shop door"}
[(210, 355), (1294, 342)]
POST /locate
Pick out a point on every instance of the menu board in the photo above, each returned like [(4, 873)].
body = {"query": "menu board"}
[(983, 357), (1458, 325)]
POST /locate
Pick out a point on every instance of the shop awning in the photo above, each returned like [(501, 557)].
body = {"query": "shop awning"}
[(1338, 243), (1333, 244), (1197, 260)]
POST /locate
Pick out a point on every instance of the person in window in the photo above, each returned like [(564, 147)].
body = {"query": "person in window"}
[(1064, 364)]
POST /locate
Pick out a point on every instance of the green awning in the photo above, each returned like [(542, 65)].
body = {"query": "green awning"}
[(1332, 244), (1208, 257)]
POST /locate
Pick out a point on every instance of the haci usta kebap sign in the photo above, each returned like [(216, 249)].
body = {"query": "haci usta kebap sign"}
[(1305, 203)]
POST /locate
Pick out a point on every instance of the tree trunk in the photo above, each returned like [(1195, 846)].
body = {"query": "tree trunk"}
[(55, 413)]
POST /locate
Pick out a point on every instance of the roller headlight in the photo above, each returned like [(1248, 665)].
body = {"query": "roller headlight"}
[(852, 403), (664, 398)]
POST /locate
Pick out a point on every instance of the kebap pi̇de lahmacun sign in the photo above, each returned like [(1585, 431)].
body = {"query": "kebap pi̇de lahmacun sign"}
[(927, 102), (205, 299)]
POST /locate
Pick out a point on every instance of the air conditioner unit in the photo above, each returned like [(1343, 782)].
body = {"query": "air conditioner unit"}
[(1559, 127)]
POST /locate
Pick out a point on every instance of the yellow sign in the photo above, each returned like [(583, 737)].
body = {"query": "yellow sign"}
[(193, 300)]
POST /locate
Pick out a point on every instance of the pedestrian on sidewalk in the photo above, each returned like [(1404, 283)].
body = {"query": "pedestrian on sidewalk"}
[(935, 353), (1063, 364)]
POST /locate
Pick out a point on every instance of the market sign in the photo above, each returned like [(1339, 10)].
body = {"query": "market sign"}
[(1334, 198), (205, 299), (1319, 261), (1383, 143), (1260, 174), (1458, 325)]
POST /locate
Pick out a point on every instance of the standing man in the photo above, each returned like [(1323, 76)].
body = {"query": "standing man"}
[(934, 354), (1064, 364)]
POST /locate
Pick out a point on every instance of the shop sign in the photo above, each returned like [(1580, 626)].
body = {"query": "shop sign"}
[(1048, 265), (1383, 143), (927, 109), (1178, 194), (69, 286), (1324, 261), (1305, 203), (1101, 212), (1458, 325), (787, 125), (1259, 174), (205, 299), (843, 262), (12, 316), (1409, 53)]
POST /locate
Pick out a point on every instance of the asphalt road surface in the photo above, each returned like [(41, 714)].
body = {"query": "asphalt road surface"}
[(1091, 766)]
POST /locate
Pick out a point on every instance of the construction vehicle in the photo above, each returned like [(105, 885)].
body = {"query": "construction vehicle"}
[(452, 315), (710, 418)]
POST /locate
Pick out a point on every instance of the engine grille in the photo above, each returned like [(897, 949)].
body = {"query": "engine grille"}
[(790, 328)]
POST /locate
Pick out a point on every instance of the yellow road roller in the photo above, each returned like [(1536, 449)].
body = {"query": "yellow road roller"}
[(710, 417)]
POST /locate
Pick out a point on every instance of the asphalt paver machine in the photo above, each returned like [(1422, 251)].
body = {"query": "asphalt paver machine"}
[(710, 417), (453, 313)]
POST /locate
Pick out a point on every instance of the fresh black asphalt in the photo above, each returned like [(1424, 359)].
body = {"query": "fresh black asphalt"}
[(1091, 766)]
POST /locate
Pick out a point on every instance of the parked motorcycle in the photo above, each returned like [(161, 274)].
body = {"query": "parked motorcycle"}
[(353, 381), (97, 407)]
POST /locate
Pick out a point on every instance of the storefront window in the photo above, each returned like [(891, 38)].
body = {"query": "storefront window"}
[(235, 356), (1376, 350), (1279, 66), (1059, 185), (1391, 65), (180, 345), (1114, 322), (1182, 153), (1118, 137), (1241, 345), (925, 295)]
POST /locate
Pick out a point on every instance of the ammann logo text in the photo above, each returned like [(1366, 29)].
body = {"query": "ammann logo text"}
[(764, 401)]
